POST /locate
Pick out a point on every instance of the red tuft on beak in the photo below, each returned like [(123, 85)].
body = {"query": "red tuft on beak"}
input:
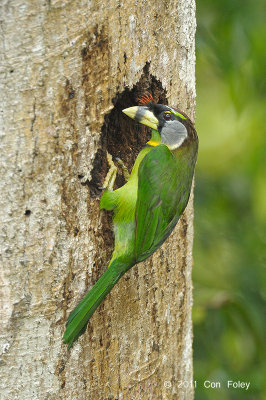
[(146, 99)]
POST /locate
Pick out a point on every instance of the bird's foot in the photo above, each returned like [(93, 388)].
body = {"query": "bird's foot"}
[(111, 174), (126, 174)]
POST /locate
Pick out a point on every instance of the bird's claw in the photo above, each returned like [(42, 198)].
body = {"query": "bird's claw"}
[(111, 174), (124, 168)]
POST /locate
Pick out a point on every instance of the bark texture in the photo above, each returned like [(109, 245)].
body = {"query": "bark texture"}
[(67, 69)]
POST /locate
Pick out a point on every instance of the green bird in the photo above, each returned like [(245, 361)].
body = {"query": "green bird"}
[(147, 208)]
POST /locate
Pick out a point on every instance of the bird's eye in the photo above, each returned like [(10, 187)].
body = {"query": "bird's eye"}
[(167, 116)]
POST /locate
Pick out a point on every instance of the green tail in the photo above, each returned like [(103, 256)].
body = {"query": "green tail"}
[(79, 317)]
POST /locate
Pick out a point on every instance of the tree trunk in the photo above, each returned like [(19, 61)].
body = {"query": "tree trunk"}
[(68, 68)]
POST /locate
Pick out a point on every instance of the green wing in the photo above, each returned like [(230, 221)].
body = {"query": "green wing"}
[(164, 184)]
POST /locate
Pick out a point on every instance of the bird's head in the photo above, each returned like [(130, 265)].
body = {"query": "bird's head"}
[(171, 124)]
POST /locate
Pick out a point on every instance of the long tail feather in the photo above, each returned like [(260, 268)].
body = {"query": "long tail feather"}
[(79, 317)]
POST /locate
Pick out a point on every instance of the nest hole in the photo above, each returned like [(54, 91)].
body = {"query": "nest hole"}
[(121, 136)]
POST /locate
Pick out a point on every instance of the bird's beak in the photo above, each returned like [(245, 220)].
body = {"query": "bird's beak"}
[(143, 115)]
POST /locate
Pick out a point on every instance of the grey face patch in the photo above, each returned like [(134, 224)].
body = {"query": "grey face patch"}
[(173, 134)]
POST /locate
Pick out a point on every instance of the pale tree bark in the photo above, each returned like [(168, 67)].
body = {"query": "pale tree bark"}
[(67, 70)]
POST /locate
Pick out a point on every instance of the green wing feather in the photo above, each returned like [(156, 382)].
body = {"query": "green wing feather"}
[(164, 183)]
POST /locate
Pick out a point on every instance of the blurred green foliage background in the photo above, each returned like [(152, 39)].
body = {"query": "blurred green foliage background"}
[(230, 199)]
